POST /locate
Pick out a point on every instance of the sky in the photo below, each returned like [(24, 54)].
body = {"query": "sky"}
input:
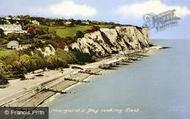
[(119, 11)]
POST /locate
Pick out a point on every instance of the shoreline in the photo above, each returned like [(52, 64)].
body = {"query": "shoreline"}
[(39, 93)]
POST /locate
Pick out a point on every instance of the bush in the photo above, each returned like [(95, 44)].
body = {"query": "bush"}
[(79, 34), (37, 61), (8, 56), (69, 40), (82, 57), (3, 79), (1, 33), (94, 28), (59, 42), (55, 61), (13, 36), (18, 70), (60, 59), (66, 56)]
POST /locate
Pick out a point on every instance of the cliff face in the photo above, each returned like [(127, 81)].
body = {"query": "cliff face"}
[(120, 39)]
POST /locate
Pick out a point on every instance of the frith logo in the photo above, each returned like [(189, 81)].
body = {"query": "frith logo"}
[(161, 21)]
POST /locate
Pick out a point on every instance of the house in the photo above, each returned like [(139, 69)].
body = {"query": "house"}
[(13, 45), (35, 22), (68, 23), (8, 17), (16, 18), (12, 28)]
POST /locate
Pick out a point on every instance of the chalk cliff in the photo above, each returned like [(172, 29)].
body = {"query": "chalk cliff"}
[(120, 39)]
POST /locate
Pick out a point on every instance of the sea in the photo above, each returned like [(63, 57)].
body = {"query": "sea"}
[(157, 87)]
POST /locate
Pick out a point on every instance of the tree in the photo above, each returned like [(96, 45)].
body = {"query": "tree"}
[(65, 56), (54, 61), (1, 33), (37, 61), (59, 22), (82, 57), (18, 69), (25, 61)]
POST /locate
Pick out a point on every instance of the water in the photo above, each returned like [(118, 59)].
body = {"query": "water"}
[(155, 88)]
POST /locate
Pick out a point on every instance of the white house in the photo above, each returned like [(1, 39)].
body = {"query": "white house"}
[(15, 18), (12, 28), (68, 23), (13, 45), (8, 17), (35, 22)]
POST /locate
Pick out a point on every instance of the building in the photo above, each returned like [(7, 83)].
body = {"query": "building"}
[(68, 23), (35, 22), (13, 45), (12, 28)]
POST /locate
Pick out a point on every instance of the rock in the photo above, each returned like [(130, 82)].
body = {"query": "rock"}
[(105, 66)]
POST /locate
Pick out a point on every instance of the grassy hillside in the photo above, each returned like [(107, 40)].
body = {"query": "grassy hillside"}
[(65, 31)]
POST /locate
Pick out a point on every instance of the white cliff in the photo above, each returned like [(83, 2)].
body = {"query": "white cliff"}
[(108, 41), (12, 28)]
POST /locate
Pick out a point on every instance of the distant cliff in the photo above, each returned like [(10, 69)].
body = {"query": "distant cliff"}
[(120, 39)]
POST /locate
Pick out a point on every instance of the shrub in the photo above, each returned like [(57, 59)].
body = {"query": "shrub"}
[(18, 69), (82, 57), (60, 43), (3, 79), (69, 40), (25, 59), (94, 28), (55, 61), (66, 56), (8, 56), (1, 33), (12, 36), (79, 34)]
